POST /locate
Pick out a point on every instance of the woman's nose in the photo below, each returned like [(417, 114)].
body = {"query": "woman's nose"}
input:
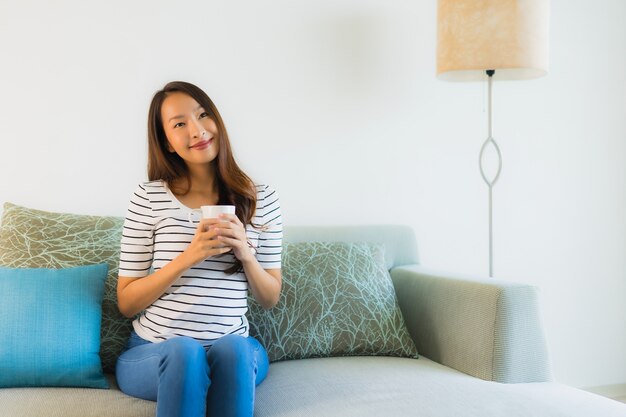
[(198, 130)]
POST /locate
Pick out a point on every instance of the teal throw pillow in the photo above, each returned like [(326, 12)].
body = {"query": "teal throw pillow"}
[(337, 299), (50, 326), (31, 238)]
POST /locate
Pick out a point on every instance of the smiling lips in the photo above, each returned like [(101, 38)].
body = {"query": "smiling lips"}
[(202, 145)]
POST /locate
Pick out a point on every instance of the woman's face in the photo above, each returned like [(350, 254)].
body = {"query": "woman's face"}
[(190, 132)]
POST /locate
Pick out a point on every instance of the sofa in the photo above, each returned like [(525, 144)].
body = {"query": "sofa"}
[(481, 349)]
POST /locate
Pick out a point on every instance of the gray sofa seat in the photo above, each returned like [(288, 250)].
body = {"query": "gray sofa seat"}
[(352, 386), (385, 386)]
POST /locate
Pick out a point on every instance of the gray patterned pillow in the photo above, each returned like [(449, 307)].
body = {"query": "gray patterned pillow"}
[(38, 239), (337, 300)]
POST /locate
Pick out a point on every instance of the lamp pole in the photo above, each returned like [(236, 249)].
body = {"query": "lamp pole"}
[(490, 182)]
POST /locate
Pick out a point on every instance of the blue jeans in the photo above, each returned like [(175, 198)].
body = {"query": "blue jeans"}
[(187, 380)]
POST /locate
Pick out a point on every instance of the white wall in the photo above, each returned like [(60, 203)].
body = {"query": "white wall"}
[(337, 101)]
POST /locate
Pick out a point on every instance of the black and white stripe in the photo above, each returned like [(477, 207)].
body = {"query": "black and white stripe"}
[(204, 303)]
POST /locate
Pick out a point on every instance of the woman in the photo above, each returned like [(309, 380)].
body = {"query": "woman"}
[(188, 283)]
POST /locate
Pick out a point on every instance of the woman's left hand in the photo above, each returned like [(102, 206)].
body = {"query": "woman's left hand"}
[(231, 232)]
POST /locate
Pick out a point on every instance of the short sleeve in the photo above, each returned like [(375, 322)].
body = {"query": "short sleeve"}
[(137, 245), (270, 246)]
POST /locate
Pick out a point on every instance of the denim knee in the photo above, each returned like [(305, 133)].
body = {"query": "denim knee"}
[(175, 371), (231, 349), (185, 354)]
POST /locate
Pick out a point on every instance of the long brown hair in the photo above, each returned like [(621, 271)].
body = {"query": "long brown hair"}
[(234, 186)]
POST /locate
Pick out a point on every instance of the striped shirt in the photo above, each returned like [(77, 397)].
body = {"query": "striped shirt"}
[(204, 303)]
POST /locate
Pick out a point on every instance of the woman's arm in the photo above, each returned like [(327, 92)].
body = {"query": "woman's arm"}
[(265, 284), (136, 294)]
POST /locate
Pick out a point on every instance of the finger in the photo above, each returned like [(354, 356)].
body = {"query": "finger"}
[(221, 249), (218, 252), (209, 235), (230, 242), (228, 228), (209, 240), (224, 231), (225, 225), (232, 234), (205, 224), (214, 250), (220, 224), (209, 222), (230, 218)]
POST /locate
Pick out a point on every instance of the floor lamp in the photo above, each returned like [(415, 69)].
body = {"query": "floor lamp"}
[(486, 40)]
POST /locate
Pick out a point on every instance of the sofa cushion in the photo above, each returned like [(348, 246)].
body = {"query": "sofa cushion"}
[(372, 387), (50, 326), (73, 402), (39, 239), (345, 387), (337, 300)]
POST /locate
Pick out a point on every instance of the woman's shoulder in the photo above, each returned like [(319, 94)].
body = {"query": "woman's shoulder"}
[(268, 205), (260, 187), (153, 184), (263, 190), (150, 186), (145, 190)]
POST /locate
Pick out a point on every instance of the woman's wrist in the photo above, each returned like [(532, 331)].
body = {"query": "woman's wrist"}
[(182, 262), (249, 260)]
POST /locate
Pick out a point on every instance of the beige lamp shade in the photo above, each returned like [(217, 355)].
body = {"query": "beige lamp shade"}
[(508, 36)]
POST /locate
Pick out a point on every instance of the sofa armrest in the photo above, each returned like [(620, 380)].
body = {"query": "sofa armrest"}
[(487, 328)]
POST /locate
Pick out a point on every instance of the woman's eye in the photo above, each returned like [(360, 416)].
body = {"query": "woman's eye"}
[(204, 114), (179, 124)]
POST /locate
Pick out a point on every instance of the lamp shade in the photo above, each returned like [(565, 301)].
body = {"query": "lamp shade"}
[(509, 36)]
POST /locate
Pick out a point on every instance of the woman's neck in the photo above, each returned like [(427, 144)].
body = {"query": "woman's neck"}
[(202, 181)]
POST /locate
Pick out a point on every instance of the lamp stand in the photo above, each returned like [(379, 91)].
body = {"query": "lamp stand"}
[(490, 182)]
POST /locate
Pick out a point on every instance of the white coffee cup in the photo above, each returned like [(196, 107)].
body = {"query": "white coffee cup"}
[(211, 212)]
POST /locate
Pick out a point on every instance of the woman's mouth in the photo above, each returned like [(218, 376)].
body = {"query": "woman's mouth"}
[(202, 145)]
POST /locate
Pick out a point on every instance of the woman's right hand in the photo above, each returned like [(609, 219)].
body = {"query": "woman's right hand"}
[(204, 245)]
